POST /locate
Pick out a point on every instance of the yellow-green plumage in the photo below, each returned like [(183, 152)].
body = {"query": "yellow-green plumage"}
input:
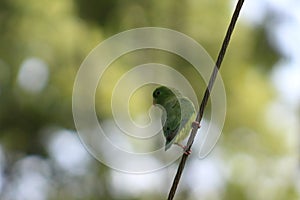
[(178, 116)]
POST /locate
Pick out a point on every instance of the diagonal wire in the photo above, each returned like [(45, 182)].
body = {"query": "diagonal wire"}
[(206, 96)]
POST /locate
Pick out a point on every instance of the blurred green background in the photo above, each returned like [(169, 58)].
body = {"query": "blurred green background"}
[(42, 44)]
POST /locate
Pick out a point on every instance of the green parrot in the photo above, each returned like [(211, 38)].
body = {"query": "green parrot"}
[(178, 117)]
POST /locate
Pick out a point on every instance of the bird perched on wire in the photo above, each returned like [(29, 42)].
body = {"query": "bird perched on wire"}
[(178, 116)]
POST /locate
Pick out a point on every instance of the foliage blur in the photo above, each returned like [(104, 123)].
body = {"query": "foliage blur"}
[(42, 44)]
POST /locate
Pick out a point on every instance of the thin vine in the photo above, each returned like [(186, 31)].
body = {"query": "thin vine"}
[(206, 96)]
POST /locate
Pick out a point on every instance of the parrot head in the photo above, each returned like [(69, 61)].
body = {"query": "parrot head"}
[(162, 94)]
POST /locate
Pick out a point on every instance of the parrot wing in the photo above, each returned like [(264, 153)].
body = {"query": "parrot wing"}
[(172, 123), (178, 122)]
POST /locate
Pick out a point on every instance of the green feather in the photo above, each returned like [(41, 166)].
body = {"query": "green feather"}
[(178, 116)]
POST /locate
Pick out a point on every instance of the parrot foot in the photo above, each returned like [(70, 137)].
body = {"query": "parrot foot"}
[(184, 149), (196, 125), (187, 152)]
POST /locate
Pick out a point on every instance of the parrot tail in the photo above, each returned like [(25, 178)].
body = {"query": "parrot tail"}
[(168, 145)]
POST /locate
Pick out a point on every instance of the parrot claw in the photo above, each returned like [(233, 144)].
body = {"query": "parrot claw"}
[(196, 125), (186, 152)]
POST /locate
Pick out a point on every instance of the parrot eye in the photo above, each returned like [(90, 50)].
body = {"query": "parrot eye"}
[(157, 93), (168, 128)]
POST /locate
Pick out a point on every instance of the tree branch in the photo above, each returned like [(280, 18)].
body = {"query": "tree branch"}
[(206, 96)]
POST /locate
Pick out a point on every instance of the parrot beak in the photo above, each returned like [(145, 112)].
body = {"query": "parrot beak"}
[(154, 102)]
